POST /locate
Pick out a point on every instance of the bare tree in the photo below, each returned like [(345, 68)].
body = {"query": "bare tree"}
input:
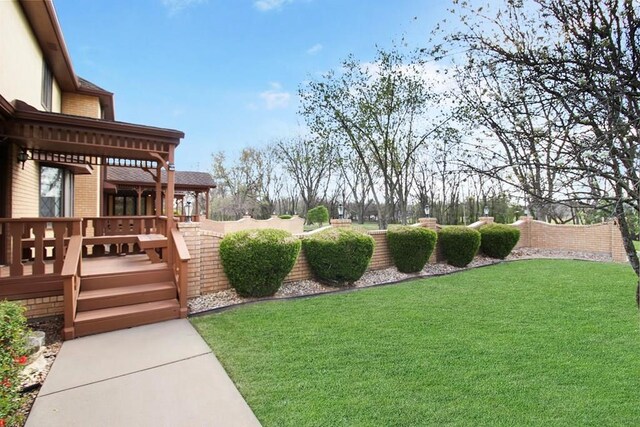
[(582, 58), (379, 110), (309, 162)]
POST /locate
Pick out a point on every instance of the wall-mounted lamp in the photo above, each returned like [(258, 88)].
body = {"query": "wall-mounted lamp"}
[(23, 157), (340, 211), (427, 210), (171, 166)]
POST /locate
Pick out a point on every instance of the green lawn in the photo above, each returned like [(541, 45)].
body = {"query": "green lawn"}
[(543, 342)]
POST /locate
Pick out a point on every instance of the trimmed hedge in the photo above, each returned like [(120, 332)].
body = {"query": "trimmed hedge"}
[(498, 240), (338, 256), (459, 244), (285, 216), (411, 247), (13, 335), (257, 261)]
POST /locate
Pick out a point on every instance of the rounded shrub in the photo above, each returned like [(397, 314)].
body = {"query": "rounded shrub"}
[(498, 240), (459, 244), (257, 261), (285, 216), (338, 256), (411, 247), (13, 333), (318, 215)]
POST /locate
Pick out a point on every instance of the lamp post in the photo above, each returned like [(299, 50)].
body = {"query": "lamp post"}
[(427, 211), (486, 210), (340, 211), (187, 211)]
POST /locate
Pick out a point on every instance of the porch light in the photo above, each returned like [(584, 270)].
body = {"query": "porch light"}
[(23, 157), (171, 166), (340, 211), (486, 210), (427, 210), (187, 211)]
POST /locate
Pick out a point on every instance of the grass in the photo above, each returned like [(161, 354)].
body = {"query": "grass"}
[(543, 342), (636, 243)]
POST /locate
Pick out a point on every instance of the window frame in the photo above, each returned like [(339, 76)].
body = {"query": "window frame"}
[(47, 87)]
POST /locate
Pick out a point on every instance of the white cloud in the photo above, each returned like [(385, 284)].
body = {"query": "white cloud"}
[(266, 5), (175, 6), (275, 97), (314, 49)]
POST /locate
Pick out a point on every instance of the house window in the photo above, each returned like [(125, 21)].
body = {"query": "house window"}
[(56, 192), (47, 86), (127, 206)]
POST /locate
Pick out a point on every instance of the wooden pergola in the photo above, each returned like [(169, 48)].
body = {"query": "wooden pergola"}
[(60, 138), (138, 181)]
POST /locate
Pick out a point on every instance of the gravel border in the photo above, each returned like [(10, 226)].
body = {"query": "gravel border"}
[(223, 300)]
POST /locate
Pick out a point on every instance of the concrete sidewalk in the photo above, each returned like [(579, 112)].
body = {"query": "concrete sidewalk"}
[(156, 375)]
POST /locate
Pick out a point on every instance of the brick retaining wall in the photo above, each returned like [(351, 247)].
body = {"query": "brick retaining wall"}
[(206, 274)]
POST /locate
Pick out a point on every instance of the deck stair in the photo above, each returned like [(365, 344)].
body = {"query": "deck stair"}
[(119, 300)]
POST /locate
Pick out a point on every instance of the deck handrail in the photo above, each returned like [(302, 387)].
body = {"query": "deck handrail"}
[(123, 225), (34, 235), (71, 276), (180, 268)]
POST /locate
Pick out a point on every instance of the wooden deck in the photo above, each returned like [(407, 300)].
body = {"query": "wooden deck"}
[(119, 264), (100, 265)]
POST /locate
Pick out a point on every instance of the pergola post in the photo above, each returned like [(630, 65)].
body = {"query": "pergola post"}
[(158, 200), (139, 191), (170, 188), (207, 204), (196, 211)]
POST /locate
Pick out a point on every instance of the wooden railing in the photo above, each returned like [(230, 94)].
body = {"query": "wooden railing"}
[(71, 276), (179, 264), (123, 225), (186, 218), (34, 240)]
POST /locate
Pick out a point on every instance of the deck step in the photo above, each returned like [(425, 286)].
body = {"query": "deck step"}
[(111, 319), (107, 281), (97, 299)]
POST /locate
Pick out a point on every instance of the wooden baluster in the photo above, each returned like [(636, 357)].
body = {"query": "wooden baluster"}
[(59, 229), (15, 231), (98, 227), (38, 262)]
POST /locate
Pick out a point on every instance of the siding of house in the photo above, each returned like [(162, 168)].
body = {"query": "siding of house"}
[(86, 201), (25, 187), (22, 60)]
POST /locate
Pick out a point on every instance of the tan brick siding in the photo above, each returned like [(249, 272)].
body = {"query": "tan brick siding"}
[(25, 187), (86, 194), (42, 307), (80, 105)]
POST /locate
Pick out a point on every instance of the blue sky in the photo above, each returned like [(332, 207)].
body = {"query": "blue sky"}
[(227, 72)]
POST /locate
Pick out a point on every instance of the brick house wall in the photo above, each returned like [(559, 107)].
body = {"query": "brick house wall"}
[(81, 105)]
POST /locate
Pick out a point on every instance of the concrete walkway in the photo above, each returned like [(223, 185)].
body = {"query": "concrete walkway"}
[(156, 375)]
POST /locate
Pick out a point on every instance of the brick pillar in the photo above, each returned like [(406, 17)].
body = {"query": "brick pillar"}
[(486, 219), (191, 233), (618, 252), (432, 224), (429, 223), (340, 223), (525, 232)]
